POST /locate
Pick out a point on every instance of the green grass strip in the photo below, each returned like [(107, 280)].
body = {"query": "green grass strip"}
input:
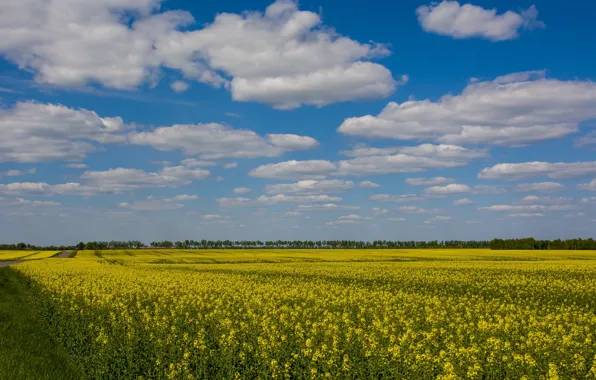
[(26, 350)]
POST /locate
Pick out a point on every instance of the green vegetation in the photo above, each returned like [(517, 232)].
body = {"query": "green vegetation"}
[(26, 349)]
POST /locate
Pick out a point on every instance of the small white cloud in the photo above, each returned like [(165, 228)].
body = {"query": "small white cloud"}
[(590, 186), (525, 215), (230, 165), (397, 219), (428, 181), (369, 184), (397, 198), (232, 114), (179, 86), (463, 202), (377, 211), (449, 18), (17, 173), (310, 187), (313, 169), (438, 218), (540, 187), (558, 170), (76, 166), (241, 190)]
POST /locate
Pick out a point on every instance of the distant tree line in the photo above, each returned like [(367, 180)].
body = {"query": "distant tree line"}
[(531, 243), (496, 244)]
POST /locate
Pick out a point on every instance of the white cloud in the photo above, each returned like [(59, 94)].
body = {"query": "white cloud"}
[(293, 213), (281, 198), (588, 139), (310, 187), (34, 132), (438, 218), (326, 207), (76, 166), (350, 217), (397, 219), (121, 179), (547, 200), (233, 202), (377, 211), (540, 187), (230, 165), (449, 18), (418, 210), (232, 114), (17, 173), (185, 197), (463, 202), (396, 198), (193, 163), (514, 110), (428, 181), (368, 184), (336, 222), (532, 207), (558, 170), (179, 86), (241, 190), (426, 150), (26, 202), (453, 188), (590, 186), (123, 44), (525, 215), (313, 169), (212, 216), (151, 204), (399, 163), (216, 141)]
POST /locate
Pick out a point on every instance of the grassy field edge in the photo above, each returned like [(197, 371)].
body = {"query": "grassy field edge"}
[(26, 349)]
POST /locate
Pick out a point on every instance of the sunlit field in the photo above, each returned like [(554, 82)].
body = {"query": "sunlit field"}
[(296, 314), (25, 255)]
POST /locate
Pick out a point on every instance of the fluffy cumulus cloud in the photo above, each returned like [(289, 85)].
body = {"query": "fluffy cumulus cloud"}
[(112, 181), (241, 190), (216, 141), (179, 86), (327, 207), (450, 18), (523, 170), (35, 132), (514, 110), (123, 179), (312, 169), (264, 57), (463, 202), (368, 184), (590, 186), (397, 198), (428, 181), (310, 187), (456, 188), (397, 163)]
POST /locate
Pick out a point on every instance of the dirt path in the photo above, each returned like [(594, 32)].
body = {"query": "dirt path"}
[(7, 263), (62, 255)]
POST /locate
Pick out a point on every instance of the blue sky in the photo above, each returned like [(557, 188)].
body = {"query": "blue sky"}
[(139, 119)]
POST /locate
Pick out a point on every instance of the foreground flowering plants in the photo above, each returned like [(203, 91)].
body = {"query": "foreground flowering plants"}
[(445, 316)]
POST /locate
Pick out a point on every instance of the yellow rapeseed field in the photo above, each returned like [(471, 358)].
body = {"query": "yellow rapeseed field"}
[(418, 314), (25, 255)]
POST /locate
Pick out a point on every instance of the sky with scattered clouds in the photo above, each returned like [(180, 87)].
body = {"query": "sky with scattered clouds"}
[(409, 120)]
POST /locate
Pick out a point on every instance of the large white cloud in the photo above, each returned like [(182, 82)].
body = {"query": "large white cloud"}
[(449, 18), (522, 170), (34, 132), (283, 57), (516, 109), (215, 141)]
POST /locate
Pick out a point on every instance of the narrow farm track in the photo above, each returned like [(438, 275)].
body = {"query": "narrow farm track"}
[(7, 263), (63, 255), (60, 255)]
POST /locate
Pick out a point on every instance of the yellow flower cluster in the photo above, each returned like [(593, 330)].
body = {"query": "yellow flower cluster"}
[(439, 318)]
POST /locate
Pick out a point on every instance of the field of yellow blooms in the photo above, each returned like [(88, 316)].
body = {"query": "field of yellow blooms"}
[(444, 314), (25, 255)]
